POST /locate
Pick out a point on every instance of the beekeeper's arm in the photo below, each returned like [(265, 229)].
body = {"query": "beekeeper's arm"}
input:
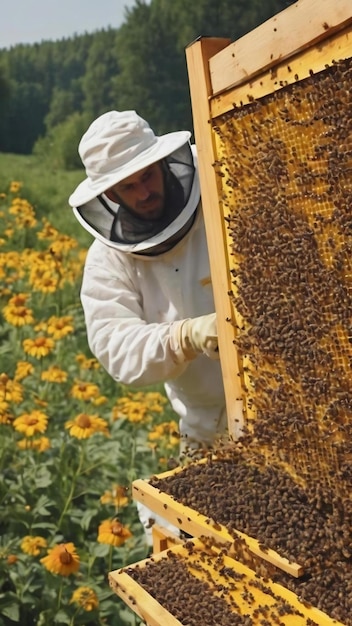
[(133, 351)]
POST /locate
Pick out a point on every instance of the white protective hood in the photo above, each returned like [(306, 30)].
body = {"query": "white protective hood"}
[(98, 221)]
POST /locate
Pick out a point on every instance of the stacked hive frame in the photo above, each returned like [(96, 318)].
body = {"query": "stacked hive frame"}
[(273, 127)]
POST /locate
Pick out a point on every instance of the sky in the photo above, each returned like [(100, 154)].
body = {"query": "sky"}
[(34, 21)]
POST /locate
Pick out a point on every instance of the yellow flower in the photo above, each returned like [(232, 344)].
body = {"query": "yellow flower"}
[(18, 315), (41, 444), (59, 327), (5, 415), (48, 231), (113, 533), (165, 434), (155, 401), (15, 186), (10, 390), (63, 244), (19, 299), (44, 281), (39, 347), (133, 410), (24, 212), (87, 363), (33, 545), (84, 426), (99, 400), (117, 496), (84, 390), (54, 374), (86, 598), (62, 560), (23, 369), (31, 423)]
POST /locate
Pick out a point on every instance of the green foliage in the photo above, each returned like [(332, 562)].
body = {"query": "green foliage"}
[(140, 66), (71, 439), (47, 188), (62, 140)]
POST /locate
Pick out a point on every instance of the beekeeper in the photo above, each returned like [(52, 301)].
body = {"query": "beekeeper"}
[(146, 290)]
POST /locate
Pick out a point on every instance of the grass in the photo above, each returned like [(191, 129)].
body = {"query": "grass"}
[(47, 189)]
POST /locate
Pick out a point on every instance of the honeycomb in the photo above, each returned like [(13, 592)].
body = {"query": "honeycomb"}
[(285, 170)]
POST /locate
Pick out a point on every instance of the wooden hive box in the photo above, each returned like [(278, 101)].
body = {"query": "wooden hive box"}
[(272, 119), (273, 128), (197, 584)]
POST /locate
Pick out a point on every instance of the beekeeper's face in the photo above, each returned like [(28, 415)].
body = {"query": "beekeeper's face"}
[(142, 193)]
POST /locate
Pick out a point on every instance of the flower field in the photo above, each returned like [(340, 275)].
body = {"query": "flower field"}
[(71, 439)]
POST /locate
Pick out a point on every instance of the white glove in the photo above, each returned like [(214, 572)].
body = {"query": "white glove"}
[(192, 337)]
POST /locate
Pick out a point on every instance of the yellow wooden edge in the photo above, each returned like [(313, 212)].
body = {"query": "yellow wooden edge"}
[(300, 66), (140, 601), (197, 56), (144, 605), (163, 538), (297, 27), (196, 524)]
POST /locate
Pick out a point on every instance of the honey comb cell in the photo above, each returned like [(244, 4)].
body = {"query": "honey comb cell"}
[(285, 166)]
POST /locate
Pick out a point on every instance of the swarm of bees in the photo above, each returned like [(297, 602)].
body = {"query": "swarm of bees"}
[(205, 589), (287, 189), (285, 167)]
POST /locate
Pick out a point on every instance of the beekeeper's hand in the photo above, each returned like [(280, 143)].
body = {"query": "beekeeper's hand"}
[(192, 337)]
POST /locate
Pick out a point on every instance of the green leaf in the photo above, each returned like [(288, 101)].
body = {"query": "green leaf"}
[(9, 606), (43, 478), (100, 549), (87, 518), (62, 618)]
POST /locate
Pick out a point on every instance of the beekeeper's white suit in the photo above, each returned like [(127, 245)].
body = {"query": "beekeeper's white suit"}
[(135, 295)]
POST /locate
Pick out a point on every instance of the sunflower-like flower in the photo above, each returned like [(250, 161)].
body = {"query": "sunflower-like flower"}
[(117, 496), (82, 390), (134, 411), (31, 423), (41, 444), (59, 327), (6, 416), (10, 390), (23, 369), (54, 374), (165, 435), (86, 363), (86, 598), (33, 545), (15, 186), (18, 315), (84, 426), (38, 347), (113, 533), (62, 559)]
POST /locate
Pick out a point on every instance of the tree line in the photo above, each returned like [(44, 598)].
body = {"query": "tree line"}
[(51, 91)]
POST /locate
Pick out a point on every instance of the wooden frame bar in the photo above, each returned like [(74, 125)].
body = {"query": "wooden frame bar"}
[(225, 76), (302, 25), (198, 525), (264, 594)]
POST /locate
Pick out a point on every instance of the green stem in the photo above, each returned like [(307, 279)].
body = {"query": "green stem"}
[(72, 489), (110, 559), (59, 595), (132, 469)]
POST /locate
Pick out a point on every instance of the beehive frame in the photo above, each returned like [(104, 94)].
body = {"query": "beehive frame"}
[(226, 78), (209, 565)]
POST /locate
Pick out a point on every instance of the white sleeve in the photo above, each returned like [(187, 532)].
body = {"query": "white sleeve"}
[(133, 351)]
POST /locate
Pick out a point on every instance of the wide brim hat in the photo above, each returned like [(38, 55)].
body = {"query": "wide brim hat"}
[(115, 146)]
